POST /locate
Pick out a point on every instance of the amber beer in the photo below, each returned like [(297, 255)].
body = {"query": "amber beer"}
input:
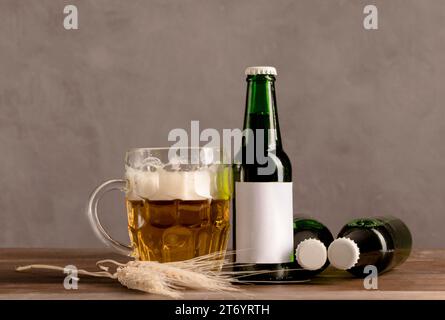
[(173, 230), (177, 212)]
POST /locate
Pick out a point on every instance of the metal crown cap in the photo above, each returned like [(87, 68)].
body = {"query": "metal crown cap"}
[(343, 253), (251, 71), (311, 254)]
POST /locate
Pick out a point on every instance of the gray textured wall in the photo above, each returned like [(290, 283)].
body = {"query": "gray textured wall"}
[(361, 112)]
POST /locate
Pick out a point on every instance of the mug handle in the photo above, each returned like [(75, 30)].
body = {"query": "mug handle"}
[(98, 193)]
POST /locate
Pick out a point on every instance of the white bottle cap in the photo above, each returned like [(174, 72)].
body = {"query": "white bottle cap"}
[(251, 71), (343, 253), (311, 254)]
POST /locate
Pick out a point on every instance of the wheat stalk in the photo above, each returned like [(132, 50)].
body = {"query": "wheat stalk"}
[(168, 279)]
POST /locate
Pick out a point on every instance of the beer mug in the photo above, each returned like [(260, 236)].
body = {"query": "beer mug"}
[(178, 203)]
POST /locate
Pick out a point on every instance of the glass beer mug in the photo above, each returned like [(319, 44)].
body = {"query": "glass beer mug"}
[(177, 200)]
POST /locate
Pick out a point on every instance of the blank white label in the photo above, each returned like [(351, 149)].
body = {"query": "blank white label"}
[(264, 222)]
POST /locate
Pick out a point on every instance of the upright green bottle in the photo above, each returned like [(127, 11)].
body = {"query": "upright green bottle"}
[(384, 242), (263, 228)]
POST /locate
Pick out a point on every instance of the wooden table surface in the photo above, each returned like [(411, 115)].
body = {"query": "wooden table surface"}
[(421, 277)]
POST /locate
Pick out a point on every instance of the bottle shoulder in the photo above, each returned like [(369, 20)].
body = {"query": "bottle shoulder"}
[(301, 222), (275, 166), (392, 229)]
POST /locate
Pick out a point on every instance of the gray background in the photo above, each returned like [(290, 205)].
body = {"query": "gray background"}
[(361, 112)]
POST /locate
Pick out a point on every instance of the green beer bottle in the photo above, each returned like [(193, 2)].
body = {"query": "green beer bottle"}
[(263, 228), (383, 242), (311, 240)]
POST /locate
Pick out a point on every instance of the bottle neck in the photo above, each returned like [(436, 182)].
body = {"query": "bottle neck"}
[(302, 235), (261, 111), (372, 246)]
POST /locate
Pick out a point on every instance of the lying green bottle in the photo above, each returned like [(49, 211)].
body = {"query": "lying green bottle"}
[(311, 240), (384, 242)]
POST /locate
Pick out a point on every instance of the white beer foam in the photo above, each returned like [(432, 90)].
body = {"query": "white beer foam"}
[(172, 185), (146, 183), (131, 190)]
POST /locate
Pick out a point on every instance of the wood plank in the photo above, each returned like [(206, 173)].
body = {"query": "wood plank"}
[(421, 277)]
